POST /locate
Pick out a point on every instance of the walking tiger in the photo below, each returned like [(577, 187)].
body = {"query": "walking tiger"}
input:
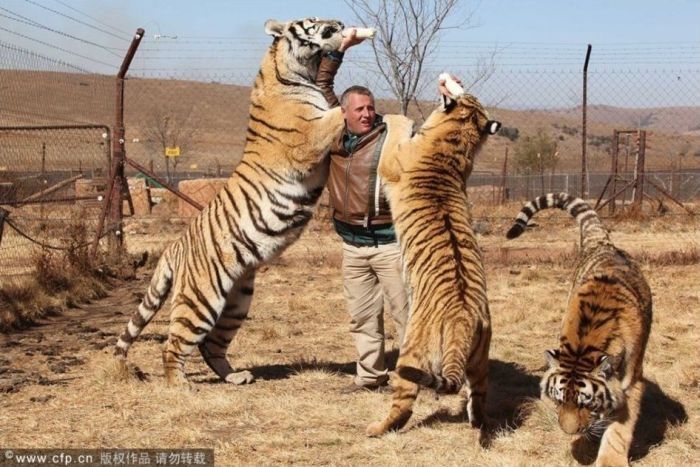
[(449, 327), (595, 376), (263, 208)]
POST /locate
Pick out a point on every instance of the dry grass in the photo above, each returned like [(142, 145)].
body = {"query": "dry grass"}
[(298, 346), (61, 279), (56, 286)]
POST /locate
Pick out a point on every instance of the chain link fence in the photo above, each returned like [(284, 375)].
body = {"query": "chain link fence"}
[(54, 157), (186, 110)]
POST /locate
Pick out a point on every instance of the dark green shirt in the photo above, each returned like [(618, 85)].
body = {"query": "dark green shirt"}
[(359, 235)]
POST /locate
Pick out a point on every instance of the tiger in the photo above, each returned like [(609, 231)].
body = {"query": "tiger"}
[(448, 332), (262, 209), (595, 376)]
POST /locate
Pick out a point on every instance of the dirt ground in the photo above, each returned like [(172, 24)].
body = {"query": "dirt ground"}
[(58, 390)]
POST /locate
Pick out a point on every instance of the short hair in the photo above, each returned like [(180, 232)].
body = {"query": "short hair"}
[(354, 90)]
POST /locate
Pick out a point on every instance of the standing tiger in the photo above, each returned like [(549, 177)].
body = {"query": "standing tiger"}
[(262, 209), (449, 327), (595, 376)]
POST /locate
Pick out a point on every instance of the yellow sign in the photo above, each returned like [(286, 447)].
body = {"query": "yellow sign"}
[(172, 152)]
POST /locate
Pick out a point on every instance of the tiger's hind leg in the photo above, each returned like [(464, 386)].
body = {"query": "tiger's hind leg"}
[(213, 347), (474, 403), (617, 438), (190, 322), (403, 397)]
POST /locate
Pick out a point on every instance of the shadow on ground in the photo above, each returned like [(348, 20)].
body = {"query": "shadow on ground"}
[(284, 371), (511, 388), (658, 413)]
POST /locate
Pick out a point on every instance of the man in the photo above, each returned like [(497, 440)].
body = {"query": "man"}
[(361, 216)]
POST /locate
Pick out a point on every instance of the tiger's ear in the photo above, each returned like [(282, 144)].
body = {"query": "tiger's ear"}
[(274, 28), (447, 103), (605, 366), (608, 365), (552, 358), (492, 127)]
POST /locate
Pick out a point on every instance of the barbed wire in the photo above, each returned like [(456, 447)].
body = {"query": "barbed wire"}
[(31, 22), (75, 19), (27, 52), (58, 48), (92, 18)]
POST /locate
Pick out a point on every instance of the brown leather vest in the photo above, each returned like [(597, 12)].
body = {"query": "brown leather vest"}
[(355, 193)]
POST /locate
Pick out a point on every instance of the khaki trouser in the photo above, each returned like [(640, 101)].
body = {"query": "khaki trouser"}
[(371, 275)]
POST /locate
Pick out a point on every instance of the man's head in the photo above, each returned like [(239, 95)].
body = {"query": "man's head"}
[(357, 104)]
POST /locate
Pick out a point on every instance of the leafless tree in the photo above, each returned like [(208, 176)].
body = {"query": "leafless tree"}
[(168, 128), (408, 32)]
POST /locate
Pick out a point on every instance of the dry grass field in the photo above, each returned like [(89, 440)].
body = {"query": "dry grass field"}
[(57, 388)]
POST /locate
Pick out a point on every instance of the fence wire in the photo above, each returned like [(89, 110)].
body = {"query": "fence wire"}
[(186, 110), (51, 183)]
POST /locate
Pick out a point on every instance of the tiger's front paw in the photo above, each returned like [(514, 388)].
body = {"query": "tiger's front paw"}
[(611, 460), (375, 429), (240, 377), (177, 379)]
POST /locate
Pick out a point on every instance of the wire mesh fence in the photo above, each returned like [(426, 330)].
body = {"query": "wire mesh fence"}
[(186, 109), (52, 179)]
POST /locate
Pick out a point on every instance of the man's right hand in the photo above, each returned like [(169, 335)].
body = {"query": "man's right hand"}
[(350, 40)]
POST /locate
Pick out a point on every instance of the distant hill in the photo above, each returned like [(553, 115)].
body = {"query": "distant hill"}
[(217, 114), (683, 120)]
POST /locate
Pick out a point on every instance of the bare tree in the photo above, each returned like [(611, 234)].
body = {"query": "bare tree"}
[(408, 32), (170, 128)]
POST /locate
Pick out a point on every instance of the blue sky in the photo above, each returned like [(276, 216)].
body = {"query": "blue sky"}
[(228, 35), (537, 22)]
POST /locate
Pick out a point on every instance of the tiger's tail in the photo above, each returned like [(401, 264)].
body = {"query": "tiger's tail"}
[(592, 230), (447, 384), (452, 372), (152, 301)]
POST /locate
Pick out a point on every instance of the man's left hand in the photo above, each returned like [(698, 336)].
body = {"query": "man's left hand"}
[(442, 89), (350, 40)]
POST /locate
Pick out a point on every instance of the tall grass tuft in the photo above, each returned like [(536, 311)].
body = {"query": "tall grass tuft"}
[(62, 278)]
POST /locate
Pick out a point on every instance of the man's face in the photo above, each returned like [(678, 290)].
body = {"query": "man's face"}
[(359, 113)]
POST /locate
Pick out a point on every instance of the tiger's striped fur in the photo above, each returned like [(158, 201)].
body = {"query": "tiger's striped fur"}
[(263, 208), (595, 376), (449, 327)]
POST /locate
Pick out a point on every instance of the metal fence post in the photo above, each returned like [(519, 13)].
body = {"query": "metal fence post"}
[(113, 198), (584, 107)]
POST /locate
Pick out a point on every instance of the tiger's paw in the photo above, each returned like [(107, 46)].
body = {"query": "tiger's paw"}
[(240, 377), (375, 429), (176, 379), (614, 460)]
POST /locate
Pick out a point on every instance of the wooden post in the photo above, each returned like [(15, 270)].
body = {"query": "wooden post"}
[(42, 214), (639, 171), (3, 215), (52, 188), (504, 176)]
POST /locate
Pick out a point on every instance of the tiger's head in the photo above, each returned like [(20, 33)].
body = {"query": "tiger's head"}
[(459, 126), (585, 390), (304, 40)]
